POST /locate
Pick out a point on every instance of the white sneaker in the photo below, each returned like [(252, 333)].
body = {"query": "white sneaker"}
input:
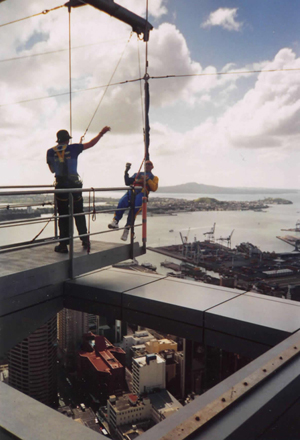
[(125, 234), (114, 224)]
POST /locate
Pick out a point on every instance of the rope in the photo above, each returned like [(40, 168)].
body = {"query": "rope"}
[(74, 91), (55, 51), (34, 15), (42, 229), (139, 171), (141, 90), (93, 217), (241, 72), (109, 83), (94, 206), (70, 70), (89, 222), (146, 56), (145, 78)]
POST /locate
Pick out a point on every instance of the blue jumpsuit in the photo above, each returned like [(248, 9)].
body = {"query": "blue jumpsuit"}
[(124, 202)]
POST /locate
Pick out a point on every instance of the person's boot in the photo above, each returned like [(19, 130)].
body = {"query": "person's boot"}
[(61, 248), (125, 234), (114, 224), (86, 244)]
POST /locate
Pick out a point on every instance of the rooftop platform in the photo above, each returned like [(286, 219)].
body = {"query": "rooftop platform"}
[(32, 283), (29, 269)]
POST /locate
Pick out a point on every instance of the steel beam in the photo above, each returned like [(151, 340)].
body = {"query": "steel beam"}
[(138, 24)]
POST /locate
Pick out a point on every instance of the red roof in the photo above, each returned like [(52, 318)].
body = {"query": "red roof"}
[(133, 397), (104, 362)]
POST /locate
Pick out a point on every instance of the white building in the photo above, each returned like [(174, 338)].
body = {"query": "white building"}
[(127, 409), (148, 373), (138, 338)]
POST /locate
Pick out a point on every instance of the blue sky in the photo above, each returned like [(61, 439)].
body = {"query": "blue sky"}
[(229, 130), (266, 27)]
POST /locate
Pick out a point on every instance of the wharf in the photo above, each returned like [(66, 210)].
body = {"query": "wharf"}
[(171, 265), (290, 239), (270, 273)]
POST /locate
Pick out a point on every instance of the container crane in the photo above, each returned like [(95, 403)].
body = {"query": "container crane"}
[(211, 233), (228, 239)]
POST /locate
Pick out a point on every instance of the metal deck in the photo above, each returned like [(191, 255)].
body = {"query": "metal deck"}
[(237, 321), (32, 283)]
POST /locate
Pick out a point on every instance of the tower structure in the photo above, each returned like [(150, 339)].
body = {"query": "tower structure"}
[(71, 327), (32, 364)]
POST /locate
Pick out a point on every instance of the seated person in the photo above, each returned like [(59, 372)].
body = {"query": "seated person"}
[(124, 202)]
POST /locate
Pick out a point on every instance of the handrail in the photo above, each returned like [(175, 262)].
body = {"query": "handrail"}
[(30, 190), (64, 190), (27, 186)]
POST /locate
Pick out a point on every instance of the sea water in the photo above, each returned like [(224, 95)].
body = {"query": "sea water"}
[(258, 228)]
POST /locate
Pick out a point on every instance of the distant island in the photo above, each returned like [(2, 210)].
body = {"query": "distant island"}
[(169, 206), (157, 206), (200, 188)]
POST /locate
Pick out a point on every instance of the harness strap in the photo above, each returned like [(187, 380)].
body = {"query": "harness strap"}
[(60, 153)]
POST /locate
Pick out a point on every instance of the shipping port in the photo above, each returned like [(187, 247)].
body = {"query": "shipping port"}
[(243, 267)]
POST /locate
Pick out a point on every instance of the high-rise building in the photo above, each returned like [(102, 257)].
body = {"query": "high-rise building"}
[(148, 373), (71, 326), (32, 364)]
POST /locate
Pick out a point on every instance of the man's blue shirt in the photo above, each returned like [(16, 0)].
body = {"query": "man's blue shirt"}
[(63, 159)]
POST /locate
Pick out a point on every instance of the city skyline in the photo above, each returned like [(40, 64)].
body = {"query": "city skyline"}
[(220, 128)]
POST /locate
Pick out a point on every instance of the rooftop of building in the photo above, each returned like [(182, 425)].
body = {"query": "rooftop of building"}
[(101, 355), (164, 402), (142, 361), (126, 401)]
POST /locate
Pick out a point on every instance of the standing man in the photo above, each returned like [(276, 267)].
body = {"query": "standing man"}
[(62, 160), (136, 180)]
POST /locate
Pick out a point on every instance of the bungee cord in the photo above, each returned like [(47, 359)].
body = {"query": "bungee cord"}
[(141, 92), (70, 70)]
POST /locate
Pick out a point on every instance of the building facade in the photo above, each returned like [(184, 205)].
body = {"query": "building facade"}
[(101, 366), (138, 338), (32, 364), (127, 409), (71, 326), (148, 373)]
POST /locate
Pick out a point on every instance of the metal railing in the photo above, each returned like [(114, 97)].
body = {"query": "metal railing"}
[(92, 211)]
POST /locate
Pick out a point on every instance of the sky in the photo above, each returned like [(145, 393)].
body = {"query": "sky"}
[(234, 121)]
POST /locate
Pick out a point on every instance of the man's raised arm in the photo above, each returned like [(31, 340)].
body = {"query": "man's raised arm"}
[(93, 141)]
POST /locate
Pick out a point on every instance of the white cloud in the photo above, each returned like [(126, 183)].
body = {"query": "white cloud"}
[(225, 18), (268, 115), (265, 118)]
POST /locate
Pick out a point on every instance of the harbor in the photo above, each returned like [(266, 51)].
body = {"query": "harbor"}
[(243, 267)]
